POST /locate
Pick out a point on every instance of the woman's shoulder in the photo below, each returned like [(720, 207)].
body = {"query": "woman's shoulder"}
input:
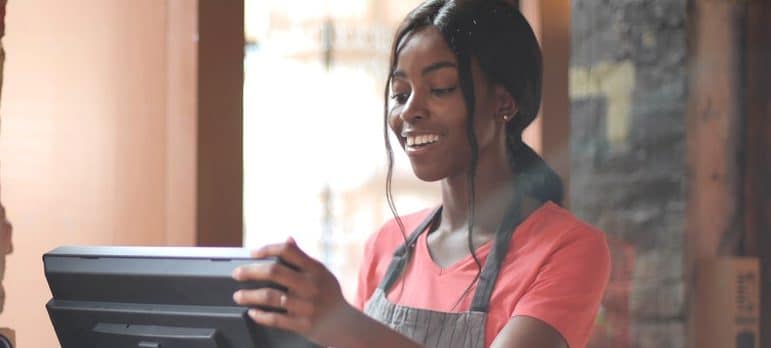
[(557, 227), (390, 235)]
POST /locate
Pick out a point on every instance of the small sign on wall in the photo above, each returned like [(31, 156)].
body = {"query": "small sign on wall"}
[(727, 313)]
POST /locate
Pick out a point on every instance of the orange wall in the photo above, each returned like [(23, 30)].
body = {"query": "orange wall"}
[(86, 136)]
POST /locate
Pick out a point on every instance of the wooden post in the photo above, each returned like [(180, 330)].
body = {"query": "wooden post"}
[(757, 168), (181, 121), (219, 211), (728, 131), (713, 130), (205, 52), (549, 134)]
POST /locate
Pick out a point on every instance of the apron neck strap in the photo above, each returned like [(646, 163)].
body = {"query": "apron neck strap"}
[(492, 266), (404, 252)]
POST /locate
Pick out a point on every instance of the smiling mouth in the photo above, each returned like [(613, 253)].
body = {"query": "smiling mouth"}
[(419, 141)]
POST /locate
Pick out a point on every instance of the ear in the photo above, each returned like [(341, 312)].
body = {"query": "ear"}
[(506, 106)]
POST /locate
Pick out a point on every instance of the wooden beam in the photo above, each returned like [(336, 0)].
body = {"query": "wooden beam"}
[(757, 168), (713, 123), (549, 134), (181, 121), (713, 143), (555, 105), (219, 211)]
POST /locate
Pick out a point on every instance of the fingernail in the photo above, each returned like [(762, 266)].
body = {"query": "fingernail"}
[(252, 313), (237, 297), (236, 273)]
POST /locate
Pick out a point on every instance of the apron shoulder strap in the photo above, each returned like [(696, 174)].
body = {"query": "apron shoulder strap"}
[(403, 253), (492, 266)]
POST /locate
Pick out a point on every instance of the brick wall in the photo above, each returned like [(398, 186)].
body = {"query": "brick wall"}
[(628, 98)]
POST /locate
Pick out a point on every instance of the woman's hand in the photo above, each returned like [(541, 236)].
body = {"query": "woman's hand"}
[(313, 300)]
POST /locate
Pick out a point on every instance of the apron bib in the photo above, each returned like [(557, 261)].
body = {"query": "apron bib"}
[(443, 329)]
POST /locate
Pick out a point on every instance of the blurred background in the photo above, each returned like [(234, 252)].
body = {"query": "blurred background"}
[(241, 123)]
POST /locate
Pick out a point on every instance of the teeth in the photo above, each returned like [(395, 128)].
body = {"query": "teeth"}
[(422, 139)]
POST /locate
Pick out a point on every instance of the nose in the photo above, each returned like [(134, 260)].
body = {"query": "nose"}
[(415, 108)]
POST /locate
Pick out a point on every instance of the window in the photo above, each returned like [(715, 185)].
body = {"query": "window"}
[(314, 159)]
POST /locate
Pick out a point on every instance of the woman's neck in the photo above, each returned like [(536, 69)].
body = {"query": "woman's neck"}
[(494, 189)]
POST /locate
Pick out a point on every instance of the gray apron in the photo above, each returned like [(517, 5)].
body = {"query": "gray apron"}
[(443, 329)]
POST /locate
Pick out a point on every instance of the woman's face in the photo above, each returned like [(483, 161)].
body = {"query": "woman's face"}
[(428, 111)]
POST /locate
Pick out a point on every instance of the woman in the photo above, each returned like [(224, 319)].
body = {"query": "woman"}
[(500, 263)]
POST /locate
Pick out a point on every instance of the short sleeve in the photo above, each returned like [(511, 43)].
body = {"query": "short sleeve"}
[(568, 289), (366, 282)]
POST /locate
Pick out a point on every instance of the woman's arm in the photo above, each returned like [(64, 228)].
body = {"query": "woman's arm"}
[(314, 303), (560, 306), (522, 331)]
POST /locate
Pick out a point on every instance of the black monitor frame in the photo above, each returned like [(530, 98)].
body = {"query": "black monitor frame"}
[(154, 297)]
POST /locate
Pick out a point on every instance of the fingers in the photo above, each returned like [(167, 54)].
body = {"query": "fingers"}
[(279, 320), (288, 252), (274, 272), (267, 297), (297, 313), (311, 293)]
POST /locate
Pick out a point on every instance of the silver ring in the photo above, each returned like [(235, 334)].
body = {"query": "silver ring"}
[(282, 301)]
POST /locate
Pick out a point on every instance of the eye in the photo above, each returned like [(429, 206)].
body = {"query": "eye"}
[(400, 98), (440, 92)]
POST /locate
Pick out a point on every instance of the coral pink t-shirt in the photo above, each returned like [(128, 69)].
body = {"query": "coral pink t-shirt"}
[(556, 271)]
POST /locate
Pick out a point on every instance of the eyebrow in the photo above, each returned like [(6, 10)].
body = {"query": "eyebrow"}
[(429, 69)]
